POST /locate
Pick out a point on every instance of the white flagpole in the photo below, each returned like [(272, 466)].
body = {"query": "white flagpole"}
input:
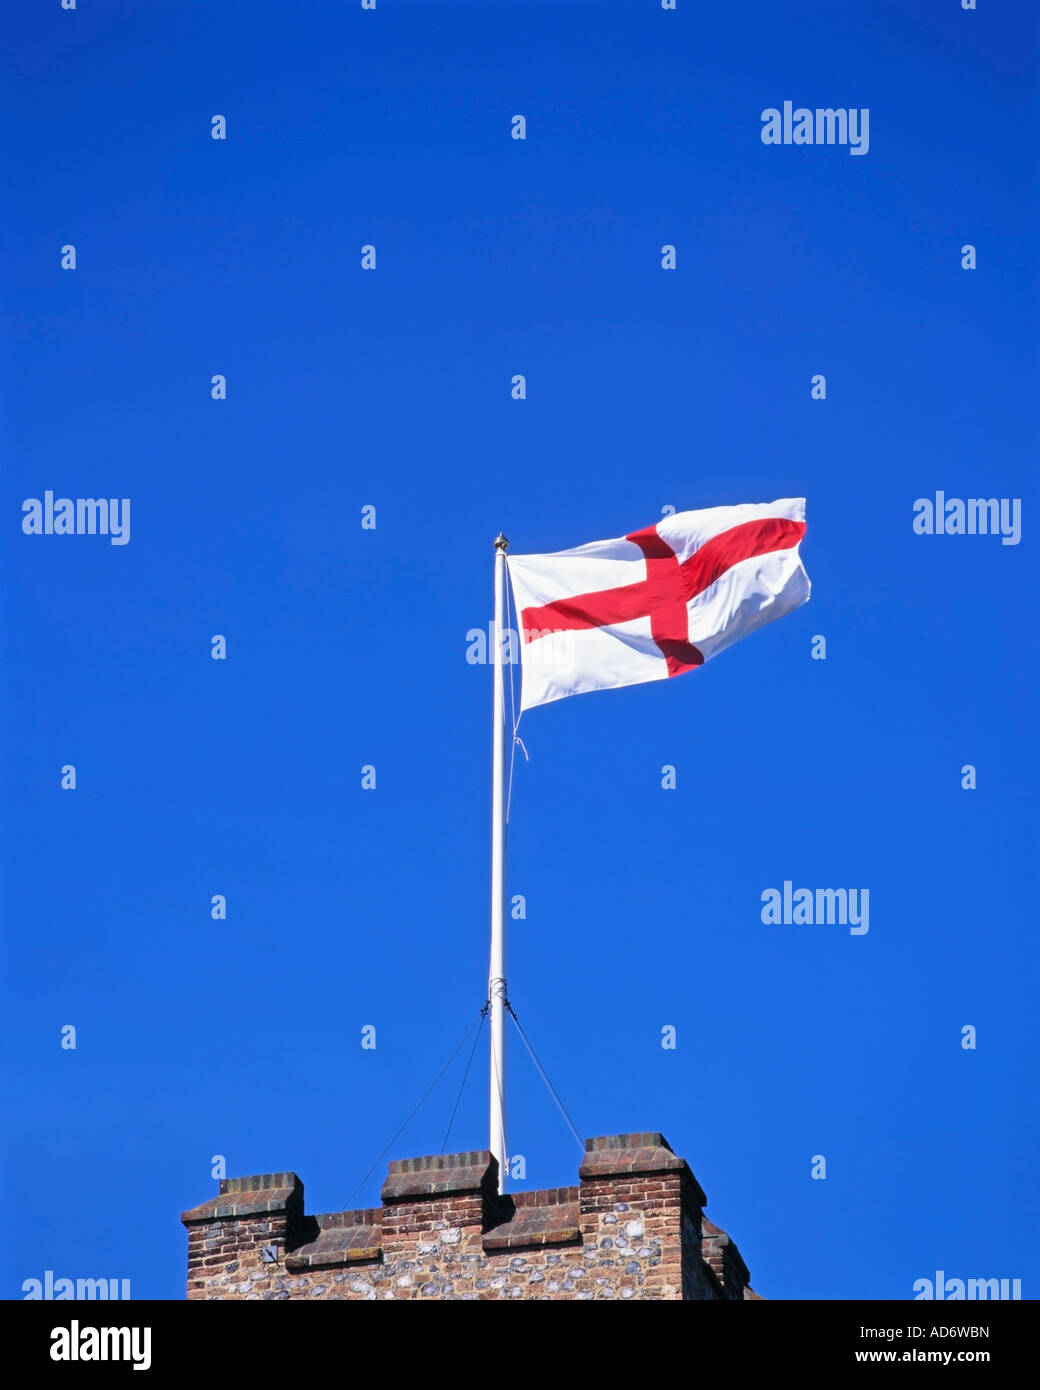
[(497, 993)]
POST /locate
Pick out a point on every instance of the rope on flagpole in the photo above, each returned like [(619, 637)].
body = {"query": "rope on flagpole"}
[(515, 722), (542, 1073), (433, 1083)]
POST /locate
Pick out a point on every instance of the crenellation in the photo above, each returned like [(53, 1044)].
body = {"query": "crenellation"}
[(632, 1229)]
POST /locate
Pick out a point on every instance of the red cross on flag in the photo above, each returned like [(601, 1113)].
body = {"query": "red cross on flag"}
[(657, 602)]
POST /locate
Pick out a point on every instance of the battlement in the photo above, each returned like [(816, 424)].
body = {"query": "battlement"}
[(632, 1228)]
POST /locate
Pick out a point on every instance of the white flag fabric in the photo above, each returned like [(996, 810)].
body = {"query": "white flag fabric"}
[(657, 602)]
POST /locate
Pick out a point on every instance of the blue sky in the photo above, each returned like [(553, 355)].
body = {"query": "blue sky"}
[(645, 388)]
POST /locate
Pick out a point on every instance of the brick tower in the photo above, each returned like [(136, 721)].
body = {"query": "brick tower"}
[(632, 1228)]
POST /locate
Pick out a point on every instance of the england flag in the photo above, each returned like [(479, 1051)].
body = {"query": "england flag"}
[(657, 602)]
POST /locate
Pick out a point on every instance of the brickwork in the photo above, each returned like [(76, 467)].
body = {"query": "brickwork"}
[(633, 1228)]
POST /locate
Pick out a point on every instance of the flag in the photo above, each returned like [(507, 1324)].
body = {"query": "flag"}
[(657, 602)]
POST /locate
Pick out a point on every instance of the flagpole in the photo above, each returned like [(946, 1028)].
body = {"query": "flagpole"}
[(497, 993)]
